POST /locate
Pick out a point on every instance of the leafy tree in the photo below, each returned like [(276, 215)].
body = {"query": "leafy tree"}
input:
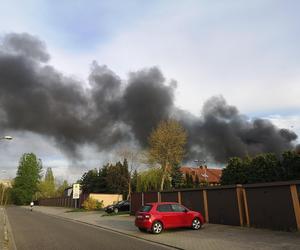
[(103, 173), (176, 176), (27, 179), (167, 144), (188, 181), (149, 180), (262, 168), (134, 181), (109, 179), (61, 188), (197, 182), (117, 178), (290, 165), (47, 186), (93, 181), (235, 172), (133, 157)]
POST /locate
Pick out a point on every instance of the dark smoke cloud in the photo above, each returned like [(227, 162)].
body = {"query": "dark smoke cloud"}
[(146, 101), (36, 97), (27, 45), (222, 132)]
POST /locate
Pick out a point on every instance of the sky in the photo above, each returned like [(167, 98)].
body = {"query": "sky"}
[(246, 51)]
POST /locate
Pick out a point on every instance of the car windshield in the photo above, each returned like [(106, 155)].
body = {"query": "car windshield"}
[(146, 208)]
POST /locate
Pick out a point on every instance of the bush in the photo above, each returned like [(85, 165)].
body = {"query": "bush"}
[(92, 204)]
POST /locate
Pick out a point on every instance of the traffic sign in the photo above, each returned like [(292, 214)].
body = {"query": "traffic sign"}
[(76, 191)]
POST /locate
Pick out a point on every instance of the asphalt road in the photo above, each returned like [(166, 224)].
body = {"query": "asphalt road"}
[(34, 230)]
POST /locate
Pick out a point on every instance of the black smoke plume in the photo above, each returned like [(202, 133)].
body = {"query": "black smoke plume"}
[(108, 111), (222, 132)]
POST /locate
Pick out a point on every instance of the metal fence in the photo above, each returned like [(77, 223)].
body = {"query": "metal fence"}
[(265, 205)]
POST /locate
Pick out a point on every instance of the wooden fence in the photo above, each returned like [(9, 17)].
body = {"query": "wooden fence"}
[(63, 201), (266, 205)]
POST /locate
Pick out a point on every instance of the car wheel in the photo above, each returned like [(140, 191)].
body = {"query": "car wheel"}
[(116, 210), (157, 227), (196, 224)]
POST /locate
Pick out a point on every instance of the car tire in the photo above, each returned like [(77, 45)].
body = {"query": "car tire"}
[(116, 210), (196, 224), (157, 227)]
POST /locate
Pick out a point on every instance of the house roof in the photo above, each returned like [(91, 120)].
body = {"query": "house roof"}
[(212, 175)]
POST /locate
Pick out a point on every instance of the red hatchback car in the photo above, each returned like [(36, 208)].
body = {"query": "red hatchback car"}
[(157, 216)]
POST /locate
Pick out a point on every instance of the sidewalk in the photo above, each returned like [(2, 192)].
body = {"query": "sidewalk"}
[(3, 243), (212, 236), (6, 240)]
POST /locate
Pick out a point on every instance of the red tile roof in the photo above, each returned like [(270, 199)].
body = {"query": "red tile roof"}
[(211, 175)]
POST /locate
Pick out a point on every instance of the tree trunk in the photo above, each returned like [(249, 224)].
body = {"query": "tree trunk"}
[(165, 169), (129, 190), (162, 182)]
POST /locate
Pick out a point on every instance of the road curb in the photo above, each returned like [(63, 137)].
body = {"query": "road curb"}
[(112, 230)]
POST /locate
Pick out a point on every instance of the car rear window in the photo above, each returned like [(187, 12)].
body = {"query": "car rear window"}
[(146, 208)]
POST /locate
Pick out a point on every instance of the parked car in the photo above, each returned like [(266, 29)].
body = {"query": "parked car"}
[(155, 217), (120, 206)]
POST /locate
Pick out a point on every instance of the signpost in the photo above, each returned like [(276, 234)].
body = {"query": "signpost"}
[(76, 193)]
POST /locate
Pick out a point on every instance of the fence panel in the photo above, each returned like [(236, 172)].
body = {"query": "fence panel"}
[(150, 197), (63, 201), (271, 207), (223, 206), (136, 202), (193, 199), (169, 196)]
